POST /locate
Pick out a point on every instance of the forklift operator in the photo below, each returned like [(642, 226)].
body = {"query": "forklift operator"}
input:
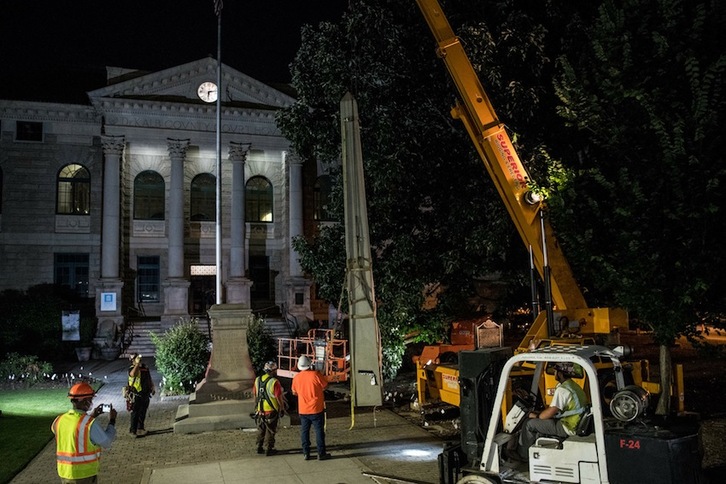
[(560, 419)]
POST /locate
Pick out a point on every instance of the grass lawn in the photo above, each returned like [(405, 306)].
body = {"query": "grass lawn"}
[(25, 425)]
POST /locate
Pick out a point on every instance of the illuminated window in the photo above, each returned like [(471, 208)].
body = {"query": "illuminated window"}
[(148, 278), (149, 196), (258, 200), (74, 190), (71, 270), (203, 198), (321, 200)]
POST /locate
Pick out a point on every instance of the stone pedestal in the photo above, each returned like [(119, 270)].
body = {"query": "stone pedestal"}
[(176, 295), (224, 398), (109, 316), (298, 297), (238, 291)]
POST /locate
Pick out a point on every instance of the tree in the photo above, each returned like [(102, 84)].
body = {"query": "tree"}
[(434, 216), (640, 206)]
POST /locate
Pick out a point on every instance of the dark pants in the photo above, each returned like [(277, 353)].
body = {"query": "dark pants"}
[(85, 480), (317, 420), (535, 428), (266, 429), (138, 413)]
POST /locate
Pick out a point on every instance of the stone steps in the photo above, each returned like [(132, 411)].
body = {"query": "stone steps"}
[(141, 341)]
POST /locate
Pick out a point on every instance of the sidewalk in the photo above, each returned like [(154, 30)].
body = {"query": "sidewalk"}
[(379, 443)]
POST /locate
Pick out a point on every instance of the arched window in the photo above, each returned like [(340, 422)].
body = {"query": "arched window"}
[(203, 198), (74, 190), (149, 196), (258, 200), (321, 200)]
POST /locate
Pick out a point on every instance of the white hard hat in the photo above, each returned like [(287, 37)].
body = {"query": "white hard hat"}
[(270, 366), (303, 363)]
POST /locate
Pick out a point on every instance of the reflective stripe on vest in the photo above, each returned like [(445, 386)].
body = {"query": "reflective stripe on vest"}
[(77, 457), (570, 416)]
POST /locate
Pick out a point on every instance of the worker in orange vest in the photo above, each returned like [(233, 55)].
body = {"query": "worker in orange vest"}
[(79, 437), (308, 386)]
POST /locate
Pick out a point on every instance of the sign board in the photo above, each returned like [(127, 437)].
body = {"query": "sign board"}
[(108, 301), (71, 324)]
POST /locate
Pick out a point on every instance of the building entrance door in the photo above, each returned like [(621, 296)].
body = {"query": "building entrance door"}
[(201, 294), (260, 275)]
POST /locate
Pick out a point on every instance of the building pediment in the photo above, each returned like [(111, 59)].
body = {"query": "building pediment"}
[(179, 84)]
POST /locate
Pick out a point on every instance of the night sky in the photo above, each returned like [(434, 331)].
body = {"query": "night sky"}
[(44, 42)]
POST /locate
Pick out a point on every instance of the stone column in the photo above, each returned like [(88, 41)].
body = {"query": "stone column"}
[(238, 286), (176, 288), (298, 288), (108, 289)]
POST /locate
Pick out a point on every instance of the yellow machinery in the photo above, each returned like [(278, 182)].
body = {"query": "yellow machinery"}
[(566, 319)]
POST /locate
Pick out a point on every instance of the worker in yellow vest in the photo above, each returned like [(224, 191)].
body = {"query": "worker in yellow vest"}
[(79, 437), (270, 406)]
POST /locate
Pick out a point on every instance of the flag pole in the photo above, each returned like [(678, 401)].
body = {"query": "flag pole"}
[(218, 231)]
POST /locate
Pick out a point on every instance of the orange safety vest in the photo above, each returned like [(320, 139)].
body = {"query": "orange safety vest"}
[(77, 457)]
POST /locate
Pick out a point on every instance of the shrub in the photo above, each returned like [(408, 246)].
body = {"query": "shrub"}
[(261, 344), (27, 369), (182, 354), (30, 322)]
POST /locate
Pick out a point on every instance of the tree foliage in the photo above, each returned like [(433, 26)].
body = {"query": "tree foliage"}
[(642, 205), (434, 216)]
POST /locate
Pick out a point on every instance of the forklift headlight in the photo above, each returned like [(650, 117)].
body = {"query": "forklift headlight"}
[(630, 403)]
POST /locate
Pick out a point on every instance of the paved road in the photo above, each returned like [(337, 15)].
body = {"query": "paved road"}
[(379, 442)]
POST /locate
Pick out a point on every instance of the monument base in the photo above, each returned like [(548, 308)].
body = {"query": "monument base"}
[(224, 398), (221, 415)]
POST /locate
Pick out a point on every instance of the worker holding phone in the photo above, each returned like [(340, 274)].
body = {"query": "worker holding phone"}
[(78, 454)]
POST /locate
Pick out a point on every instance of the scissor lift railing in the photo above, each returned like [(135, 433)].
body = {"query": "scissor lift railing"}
[(329, 355)]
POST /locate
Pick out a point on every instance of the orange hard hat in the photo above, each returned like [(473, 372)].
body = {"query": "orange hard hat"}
[(81, 391)]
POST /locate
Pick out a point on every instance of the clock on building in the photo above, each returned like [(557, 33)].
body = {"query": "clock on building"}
[(207, 92)]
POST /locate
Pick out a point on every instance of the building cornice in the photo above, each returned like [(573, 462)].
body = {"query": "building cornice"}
[(40, 111)]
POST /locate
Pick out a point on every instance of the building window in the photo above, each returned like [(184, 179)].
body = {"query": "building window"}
[(321, 200), (148, 278), (203, 198), (28, 131), (1, 190), (149, 196), (258, 200), (74, 191), (71, 270)]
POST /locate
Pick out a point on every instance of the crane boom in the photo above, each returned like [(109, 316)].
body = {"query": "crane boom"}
[(502, 162)]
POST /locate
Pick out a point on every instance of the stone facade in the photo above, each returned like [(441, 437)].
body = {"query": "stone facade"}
[(153, 124)]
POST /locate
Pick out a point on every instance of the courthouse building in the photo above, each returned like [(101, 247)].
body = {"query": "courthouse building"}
[(115, 197)]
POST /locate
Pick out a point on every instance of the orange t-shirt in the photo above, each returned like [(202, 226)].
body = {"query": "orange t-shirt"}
[(308, 385)]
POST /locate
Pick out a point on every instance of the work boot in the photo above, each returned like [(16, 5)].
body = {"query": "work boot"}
[(141, 432), (271, 452), (260, 450), (306, 456), (324, 456)]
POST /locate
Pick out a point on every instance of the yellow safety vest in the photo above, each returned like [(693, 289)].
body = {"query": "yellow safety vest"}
[(270, 403), (77, 457), (571, 415), (135, 381)]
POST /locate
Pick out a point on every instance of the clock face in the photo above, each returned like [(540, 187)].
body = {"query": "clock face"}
[(207, 92)]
